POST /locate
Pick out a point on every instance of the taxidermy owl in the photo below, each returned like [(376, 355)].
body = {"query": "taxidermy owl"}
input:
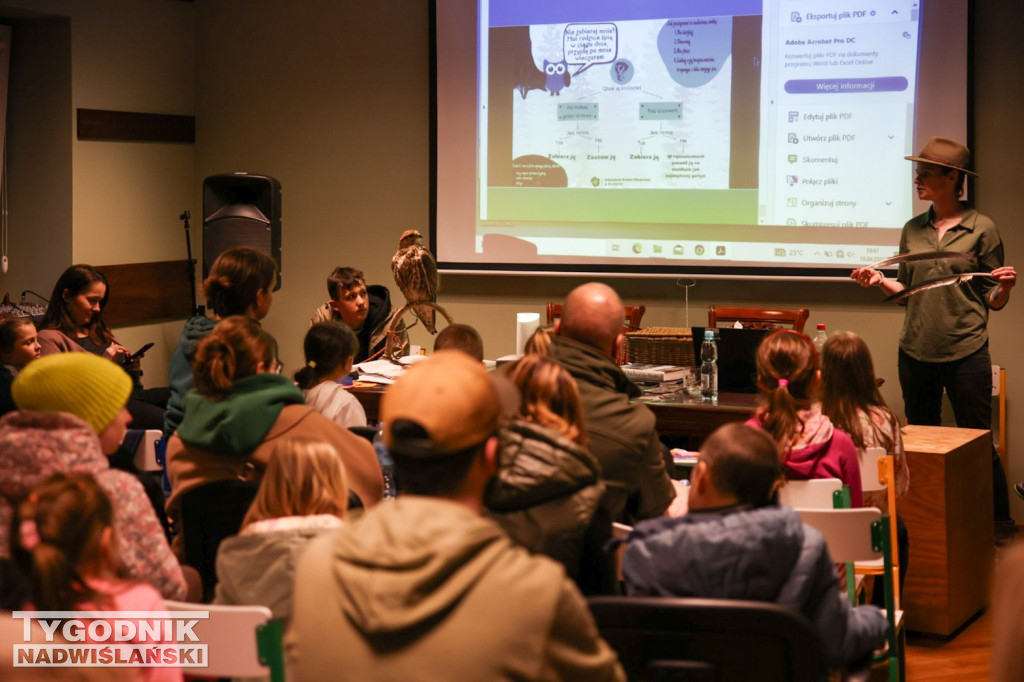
[(557, 76), (415, 274)]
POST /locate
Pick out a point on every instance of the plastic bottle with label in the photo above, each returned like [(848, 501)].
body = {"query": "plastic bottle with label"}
[(709, 367), (819, 342)]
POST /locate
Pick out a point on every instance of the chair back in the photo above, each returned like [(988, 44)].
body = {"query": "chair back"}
[(878, 472), (848, 532), (634, 314), (708, 639), (863, 535), (759, 317), (869, 473), (367, 432), (242, 641), (209, 514), (814, 493), (146, 451)]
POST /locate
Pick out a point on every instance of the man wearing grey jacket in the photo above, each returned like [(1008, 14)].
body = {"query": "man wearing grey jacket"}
[(735, 543)]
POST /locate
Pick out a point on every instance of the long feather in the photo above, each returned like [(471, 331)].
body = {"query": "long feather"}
[(900, 296), (920, 255)]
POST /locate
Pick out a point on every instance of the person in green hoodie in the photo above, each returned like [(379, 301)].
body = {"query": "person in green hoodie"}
[(240, 283), (240, 408), (423, 587)]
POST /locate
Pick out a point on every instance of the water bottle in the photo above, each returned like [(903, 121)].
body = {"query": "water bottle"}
[(709, 367), (819, 341), (387, 464)]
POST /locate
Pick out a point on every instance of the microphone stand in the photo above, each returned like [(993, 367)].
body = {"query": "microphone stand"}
[(196, 309)]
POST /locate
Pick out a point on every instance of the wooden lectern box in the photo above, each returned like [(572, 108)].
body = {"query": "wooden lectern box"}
[(949, 517)]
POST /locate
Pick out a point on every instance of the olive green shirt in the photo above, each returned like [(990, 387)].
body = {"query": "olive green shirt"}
[(948, 323)]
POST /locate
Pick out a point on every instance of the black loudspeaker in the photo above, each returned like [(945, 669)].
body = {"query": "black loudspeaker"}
[(241, 210)]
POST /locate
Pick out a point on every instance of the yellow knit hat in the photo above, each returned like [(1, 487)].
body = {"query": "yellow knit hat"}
[(92, 388)]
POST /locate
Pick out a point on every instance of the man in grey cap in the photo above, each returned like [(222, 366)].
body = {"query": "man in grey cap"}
[(423, 587)]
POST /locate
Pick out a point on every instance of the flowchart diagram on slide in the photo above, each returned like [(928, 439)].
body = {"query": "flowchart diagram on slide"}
[(621, 102)]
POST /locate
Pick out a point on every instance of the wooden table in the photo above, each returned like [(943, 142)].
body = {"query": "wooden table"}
[(678, 415), (949, 517)]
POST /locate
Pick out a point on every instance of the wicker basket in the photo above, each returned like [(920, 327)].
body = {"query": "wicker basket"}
[(661, 345)]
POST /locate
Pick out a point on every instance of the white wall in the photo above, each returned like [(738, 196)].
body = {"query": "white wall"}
[(124, 198)]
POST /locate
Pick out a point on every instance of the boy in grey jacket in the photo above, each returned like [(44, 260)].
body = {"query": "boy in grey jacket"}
[(736, 543)]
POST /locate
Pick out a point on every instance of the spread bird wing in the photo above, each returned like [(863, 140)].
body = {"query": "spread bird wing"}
[(920, 255), (960, 278)]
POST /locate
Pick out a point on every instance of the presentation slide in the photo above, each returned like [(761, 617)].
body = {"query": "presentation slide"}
[(718, 137)]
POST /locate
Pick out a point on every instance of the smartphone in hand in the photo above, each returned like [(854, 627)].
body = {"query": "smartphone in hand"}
[(137, 355)]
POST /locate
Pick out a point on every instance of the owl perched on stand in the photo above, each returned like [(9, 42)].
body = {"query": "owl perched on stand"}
[(415, 274)]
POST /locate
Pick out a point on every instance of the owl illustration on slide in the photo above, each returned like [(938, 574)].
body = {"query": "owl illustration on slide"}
[(557, 76)]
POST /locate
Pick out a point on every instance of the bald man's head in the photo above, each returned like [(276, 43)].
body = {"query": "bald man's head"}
[(593, 314)]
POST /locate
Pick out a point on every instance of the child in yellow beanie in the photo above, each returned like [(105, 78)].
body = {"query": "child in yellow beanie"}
[(71, 416), (93, 389)]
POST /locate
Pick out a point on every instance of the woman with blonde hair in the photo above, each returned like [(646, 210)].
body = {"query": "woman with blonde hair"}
[(546, 491), (304, 493), (789, 381)]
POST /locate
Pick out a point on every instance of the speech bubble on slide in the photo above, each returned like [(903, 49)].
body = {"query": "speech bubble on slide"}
[(694, 49), (590, 44)]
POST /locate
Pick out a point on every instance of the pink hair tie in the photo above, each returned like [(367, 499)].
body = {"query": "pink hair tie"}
[(783, 383), (28, 534)]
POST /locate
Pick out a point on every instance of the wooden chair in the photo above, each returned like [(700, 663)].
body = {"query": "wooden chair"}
[(634, 313), (241, 641), (760, 318), (863, 535), (878, 472), (665, 638)]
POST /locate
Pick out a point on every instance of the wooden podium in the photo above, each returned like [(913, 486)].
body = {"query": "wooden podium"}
[(949, 517)]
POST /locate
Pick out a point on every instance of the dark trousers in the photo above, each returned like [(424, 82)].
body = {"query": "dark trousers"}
[(968, 383)]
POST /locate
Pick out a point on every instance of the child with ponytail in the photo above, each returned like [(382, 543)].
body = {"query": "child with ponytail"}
[(64, 556), (241, 408), (330, 348), (789, 380)]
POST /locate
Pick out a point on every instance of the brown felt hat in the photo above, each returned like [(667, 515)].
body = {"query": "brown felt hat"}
[(942, 151)]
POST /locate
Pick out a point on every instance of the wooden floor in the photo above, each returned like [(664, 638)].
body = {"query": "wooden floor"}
[(966, 657)]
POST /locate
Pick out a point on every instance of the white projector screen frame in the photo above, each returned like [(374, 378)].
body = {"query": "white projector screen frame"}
[(679, 144)]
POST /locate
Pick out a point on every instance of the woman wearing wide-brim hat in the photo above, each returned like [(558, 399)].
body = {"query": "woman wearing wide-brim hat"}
[(944, 342)]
